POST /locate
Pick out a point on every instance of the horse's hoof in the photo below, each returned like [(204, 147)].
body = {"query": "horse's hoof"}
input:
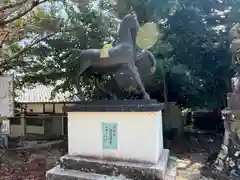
[(147, 97)]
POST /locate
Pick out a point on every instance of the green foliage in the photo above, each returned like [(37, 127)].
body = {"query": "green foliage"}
[(192, 55), (53, 60), (205, 67), (21, 23)]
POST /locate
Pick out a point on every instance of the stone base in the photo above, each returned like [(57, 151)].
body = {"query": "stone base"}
[(57, 173), (82, 168), (108, 125)]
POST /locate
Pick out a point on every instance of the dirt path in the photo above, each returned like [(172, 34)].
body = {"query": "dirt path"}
[(188, 155), (189, 168), (191, 153), (29, 164)]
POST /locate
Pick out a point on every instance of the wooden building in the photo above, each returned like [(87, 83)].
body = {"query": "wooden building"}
[(40, 115)]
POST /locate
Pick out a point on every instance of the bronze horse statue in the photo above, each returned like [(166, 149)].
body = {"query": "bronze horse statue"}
[(122, 56), (146, 65)]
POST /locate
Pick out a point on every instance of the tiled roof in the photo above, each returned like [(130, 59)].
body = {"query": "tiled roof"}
[(42, 93)]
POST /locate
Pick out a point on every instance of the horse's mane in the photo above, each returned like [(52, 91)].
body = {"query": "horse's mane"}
[(128, 16)]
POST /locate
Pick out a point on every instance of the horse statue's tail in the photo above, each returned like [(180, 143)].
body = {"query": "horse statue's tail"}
[(146, 53), (154, 63)]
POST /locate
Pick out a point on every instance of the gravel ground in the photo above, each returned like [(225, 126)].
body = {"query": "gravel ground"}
[(192, 153), (189, 156), (29, 164), (190, 168)]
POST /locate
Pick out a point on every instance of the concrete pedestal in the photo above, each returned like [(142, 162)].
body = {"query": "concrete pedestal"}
[(112, 138)]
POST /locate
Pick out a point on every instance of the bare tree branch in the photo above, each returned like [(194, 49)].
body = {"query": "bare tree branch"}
[(17, 54), (10, 11), (4, 38), (12, 5), (29, 46), (34, 4)]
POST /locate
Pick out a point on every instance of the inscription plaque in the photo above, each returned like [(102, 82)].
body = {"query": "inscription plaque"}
[(109, 135)]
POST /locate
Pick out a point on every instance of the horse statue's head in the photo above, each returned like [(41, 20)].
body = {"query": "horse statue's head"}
[(128, 29)]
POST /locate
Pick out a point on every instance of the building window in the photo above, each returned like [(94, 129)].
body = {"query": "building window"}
[(34, 121), (15, 121), (49, 108)]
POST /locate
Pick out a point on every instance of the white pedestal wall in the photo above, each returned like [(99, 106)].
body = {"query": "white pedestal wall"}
[(139, 135)]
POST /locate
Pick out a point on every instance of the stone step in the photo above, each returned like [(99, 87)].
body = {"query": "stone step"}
[(171, 172), (59, 174), (115, 168)]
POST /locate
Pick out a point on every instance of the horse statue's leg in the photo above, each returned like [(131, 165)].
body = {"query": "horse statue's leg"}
[(137, 77), (100, 87)]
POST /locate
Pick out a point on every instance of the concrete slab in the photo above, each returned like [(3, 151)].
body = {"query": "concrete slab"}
[(109, 135), (59, 174), (132, 170), (171, 171)]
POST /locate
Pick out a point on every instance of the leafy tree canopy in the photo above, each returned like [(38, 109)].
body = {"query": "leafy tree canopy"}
[(192, 51)]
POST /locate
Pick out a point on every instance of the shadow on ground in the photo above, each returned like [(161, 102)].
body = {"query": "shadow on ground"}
[(29, 164), (193, 152)]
